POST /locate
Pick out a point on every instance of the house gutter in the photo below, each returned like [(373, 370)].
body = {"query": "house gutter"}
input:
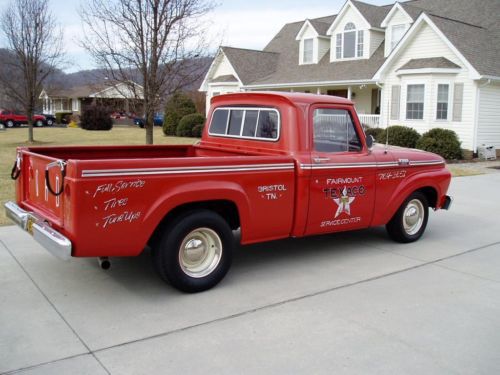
[(302, 84)]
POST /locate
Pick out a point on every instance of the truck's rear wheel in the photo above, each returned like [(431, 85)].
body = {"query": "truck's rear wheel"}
[(195, 252), (409, 222)]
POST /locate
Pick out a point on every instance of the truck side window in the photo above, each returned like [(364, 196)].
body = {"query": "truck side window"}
[(334, 131)]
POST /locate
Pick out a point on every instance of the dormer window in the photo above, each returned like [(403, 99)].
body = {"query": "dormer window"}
[(397, 33), (350, 43), (308, 51)]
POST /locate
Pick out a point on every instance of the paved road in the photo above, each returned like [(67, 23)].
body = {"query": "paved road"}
[(353, 303)]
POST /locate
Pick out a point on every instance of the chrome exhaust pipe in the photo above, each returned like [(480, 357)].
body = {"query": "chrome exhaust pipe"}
[(104, 263)]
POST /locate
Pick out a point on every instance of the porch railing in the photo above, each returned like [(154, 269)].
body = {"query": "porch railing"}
[(371, 121)]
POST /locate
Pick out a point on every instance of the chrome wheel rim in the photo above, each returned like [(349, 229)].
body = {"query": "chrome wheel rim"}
[(10, 124), (413, 217), (39, 123), (200, 252)]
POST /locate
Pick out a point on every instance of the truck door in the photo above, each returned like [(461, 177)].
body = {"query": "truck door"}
[(342, 186)]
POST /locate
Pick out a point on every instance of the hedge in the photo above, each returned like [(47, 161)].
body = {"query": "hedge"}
[(399, 136), (188, 123), (443, 142), (96, 118), (178, 106)]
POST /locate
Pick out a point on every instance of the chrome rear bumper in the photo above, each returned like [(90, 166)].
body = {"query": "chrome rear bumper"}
[(57, 244)]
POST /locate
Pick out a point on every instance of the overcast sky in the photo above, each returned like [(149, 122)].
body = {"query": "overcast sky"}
[(237, 23)]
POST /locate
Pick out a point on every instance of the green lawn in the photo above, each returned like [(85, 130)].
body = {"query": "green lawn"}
[(11, 138)]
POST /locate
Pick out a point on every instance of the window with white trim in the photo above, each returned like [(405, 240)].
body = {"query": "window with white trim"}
[(443, 98), (360, 43), (349, 40), (246, 122), (307, 57), (415, 96), (338, 47), (349, 44), (397, 33)]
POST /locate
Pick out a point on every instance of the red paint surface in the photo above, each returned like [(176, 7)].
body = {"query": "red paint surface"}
[(116, 215)]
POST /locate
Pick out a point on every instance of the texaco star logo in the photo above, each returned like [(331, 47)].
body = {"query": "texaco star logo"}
[(344, 203)]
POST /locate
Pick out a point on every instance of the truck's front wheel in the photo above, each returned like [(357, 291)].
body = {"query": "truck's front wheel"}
[(195, 252), (409, 222)]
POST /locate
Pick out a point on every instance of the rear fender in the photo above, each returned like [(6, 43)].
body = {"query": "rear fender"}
[(202, 191)]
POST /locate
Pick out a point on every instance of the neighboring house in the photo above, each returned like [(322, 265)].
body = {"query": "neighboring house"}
[(421, 63), (120, 97)]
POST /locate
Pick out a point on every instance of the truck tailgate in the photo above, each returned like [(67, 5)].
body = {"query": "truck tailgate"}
[(40, 174)]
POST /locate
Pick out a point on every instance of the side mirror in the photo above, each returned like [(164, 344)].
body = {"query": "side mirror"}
[(370, 141)]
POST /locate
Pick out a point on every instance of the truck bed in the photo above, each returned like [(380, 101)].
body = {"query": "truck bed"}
[(109, 191)]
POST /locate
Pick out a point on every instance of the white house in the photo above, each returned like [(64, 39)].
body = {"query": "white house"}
[(421, 63), (120, 96)]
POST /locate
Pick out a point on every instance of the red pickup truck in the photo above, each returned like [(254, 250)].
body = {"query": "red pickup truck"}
[(274, 165), (15, 118)]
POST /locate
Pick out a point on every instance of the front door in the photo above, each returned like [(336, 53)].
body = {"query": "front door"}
[(342, 186)]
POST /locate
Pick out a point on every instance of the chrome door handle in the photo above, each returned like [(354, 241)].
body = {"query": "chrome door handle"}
[(320, 160)]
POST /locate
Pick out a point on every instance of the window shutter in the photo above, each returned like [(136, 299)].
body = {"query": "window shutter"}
[(458, 98), (395, 102)]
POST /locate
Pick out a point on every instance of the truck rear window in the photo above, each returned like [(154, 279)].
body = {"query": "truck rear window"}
[(246, 122)]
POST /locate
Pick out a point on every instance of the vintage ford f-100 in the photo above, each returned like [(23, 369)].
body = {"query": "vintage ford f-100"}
[(272, 164)]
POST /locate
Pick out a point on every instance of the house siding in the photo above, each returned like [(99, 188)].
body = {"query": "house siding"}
[(427, 40), (323, 47), (488, 131), (376, 39)]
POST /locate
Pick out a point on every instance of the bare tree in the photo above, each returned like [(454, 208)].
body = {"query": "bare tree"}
[(154, 42), (35, 44)]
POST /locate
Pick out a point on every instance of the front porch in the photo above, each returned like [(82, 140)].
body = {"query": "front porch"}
[(366, 98)]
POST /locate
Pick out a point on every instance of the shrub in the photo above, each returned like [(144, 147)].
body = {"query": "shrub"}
[(187, 124), (442, 142), (96, 118), (63, 117), (178, 106), (399, 136), (198, 130), (374, 132)]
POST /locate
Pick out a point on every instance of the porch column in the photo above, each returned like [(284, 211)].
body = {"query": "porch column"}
[(291, 90), (349, 92), (318, 91)]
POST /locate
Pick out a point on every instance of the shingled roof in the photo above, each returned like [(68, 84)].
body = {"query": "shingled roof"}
[(474, 29), (432, 62)]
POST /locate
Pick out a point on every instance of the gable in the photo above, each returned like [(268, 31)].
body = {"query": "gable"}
[(397, 15), (348, 14), (307, 31), (424, 40)]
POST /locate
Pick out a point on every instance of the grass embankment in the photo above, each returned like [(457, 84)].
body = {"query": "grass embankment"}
[(12, 138)]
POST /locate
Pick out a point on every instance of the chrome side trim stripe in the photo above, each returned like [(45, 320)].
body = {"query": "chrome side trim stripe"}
[(186, 170), (370, 165)]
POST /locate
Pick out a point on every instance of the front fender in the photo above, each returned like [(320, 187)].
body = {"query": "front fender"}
[(438, 180)]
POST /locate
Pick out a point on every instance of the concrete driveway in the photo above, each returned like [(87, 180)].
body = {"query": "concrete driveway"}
[(352, 303)]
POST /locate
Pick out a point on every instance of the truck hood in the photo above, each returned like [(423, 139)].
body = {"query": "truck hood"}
[(412, 154)]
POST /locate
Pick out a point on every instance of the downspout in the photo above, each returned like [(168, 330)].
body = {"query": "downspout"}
[(476, 115)]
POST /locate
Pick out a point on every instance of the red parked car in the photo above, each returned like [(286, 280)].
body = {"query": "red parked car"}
[(16, 118), (274, 165)]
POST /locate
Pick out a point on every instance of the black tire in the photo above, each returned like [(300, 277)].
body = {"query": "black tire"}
[(212, 232), (38, 123), (10, 123), (417, 205)]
